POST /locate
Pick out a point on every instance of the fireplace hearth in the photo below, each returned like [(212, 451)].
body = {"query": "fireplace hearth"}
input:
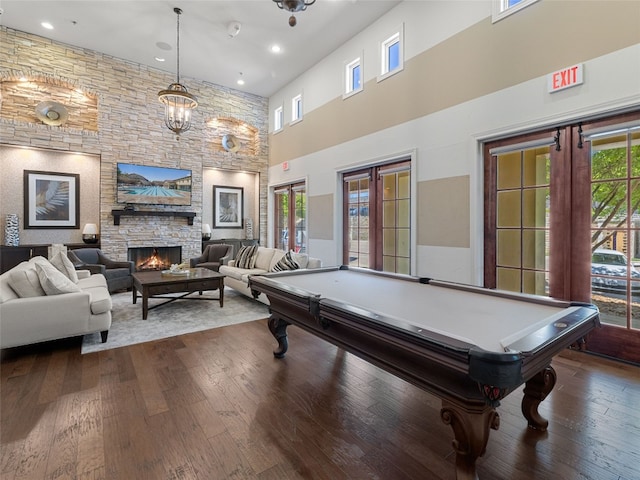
[(154, 258)]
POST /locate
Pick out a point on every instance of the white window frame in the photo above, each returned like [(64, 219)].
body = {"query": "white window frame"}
[(296, 109), (348, 70), (278, 119), (396, 37), (501, 8)]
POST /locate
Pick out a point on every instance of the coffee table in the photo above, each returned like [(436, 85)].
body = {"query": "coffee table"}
[(155, 284)]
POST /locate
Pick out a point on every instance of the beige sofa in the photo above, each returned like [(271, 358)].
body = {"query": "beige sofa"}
[(265, 261), (37, 305)]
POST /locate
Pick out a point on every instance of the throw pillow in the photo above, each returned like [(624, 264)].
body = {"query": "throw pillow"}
[(246, 257), (54, 282), (286, 263), (25, 283), (301, 259), (64, 265)]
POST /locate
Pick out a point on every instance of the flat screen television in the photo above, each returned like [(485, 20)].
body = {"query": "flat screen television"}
[(150, 185)]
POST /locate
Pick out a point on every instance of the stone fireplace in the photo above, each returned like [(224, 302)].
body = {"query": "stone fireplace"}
[(154, 258)]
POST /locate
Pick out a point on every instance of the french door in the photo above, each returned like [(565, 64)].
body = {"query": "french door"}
[(562, 218), (377, 218), (290, 215)]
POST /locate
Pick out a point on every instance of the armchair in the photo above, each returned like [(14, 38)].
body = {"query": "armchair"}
[(117, 274), (212, 257)]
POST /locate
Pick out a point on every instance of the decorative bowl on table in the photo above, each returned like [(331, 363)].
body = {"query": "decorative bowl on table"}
[(176, 269)]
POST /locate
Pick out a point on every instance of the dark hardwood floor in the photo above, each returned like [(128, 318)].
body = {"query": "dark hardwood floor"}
[(217, 405)]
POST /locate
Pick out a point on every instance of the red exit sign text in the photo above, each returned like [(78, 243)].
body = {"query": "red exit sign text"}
[(565, 78)]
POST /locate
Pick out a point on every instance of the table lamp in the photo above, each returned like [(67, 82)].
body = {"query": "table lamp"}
[(90, 233), (206, 231)]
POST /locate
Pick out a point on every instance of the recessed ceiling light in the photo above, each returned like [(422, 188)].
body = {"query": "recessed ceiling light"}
[(47, 25), (240, 81), (163, 46), (159, 59), (275, 48)]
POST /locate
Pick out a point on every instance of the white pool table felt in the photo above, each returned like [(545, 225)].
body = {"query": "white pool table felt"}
[(486, 321)]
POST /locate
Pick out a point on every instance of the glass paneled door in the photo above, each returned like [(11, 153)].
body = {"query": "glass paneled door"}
[(396, 219), (290, 217), (522, 220), (562, 218), (357, 229), (615, 226), (377, 217)]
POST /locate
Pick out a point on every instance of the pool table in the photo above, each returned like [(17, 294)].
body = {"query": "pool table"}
[(467, 345)]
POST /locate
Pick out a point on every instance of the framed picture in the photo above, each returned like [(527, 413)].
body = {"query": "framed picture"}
[(51, 200), (228, 207)]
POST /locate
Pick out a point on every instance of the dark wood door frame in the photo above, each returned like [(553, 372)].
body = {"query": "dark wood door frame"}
[(570, 240)]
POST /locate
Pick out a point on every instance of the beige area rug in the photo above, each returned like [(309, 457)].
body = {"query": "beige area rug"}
[(175, 318)]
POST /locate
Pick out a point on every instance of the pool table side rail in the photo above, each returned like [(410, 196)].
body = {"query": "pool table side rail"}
[(539, 299), (434, 369), (446, 366)]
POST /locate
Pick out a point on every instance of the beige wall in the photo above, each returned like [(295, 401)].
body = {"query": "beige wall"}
[(14, 161), (249, 182), (320, 217), (465, 81), (444, 223), (130, 129), (485, 58)]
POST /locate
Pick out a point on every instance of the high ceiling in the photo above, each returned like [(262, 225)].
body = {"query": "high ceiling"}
[(137, 30)]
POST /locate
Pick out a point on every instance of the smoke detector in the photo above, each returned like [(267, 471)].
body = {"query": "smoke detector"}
[(233, 29)]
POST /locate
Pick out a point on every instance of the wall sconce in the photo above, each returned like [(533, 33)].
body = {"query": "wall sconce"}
[(206, 231), (90, 233)]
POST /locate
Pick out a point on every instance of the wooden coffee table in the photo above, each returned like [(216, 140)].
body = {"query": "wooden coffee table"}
[(156, 284)]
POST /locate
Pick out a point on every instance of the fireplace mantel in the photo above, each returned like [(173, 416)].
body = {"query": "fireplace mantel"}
[(145, 213)]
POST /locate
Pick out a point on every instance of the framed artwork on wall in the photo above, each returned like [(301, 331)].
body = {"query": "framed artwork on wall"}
[(51, 200), (228, 207)]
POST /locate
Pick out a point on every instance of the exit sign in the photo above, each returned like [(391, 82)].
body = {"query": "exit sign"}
[(565, 78), (285, 166)]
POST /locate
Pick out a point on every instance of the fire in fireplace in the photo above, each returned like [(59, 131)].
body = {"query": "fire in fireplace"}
[(154, 258)]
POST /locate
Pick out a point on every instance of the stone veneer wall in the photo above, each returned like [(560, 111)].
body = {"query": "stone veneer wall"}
[(131, 130)]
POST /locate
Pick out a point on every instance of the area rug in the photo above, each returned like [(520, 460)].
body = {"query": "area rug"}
[(175, 318)]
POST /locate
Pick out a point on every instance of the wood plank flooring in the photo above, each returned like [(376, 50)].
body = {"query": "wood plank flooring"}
[(217, 405)]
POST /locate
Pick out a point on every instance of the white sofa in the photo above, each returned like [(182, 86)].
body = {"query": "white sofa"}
[(265, 260), (31, 312)]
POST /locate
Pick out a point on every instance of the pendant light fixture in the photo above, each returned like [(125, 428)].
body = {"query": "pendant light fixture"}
[(178, 102), (293, 6)]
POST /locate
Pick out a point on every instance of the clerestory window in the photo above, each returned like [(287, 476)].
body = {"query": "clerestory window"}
[(278, 119), (504, 8), (296, 108), (392, 54), (353, 77)]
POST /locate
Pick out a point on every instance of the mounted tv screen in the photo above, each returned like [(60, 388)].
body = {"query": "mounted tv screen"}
[(147, 185)]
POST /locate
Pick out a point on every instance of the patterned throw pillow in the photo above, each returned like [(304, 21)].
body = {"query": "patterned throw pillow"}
[(246, 257), (286, 263)]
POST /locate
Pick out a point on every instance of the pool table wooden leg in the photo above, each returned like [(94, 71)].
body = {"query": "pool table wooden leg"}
[(471, 426), (535, 391), (278, 329)]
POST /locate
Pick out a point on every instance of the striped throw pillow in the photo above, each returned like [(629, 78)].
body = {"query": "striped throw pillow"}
[(246, 257), (286, 263)]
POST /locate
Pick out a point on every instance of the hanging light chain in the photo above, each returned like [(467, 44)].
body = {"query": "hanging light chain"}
[(178, 102), (178, 11)]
